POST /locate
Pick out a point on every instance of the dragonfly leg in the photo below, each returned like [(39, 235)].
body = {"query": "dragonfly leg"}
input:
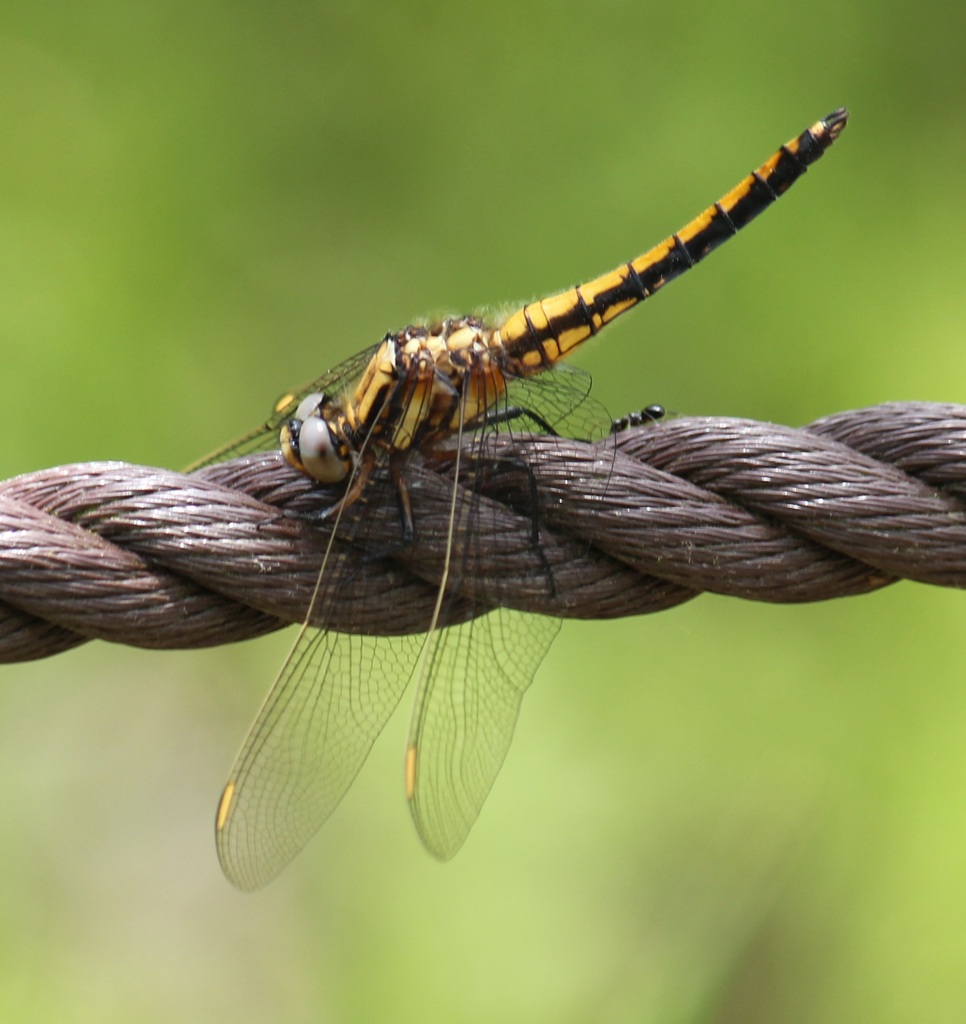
[(529, 506), (357, 484), (406, 520), (513, 412)]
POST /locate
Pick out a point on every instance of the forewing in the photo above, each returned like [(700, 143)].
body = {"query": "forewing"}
[(467, 704), (264, 438), (331, 700)]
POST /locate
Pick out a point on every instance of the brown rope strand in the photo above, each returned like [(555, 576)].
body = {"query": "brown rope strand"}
[(635, 523)]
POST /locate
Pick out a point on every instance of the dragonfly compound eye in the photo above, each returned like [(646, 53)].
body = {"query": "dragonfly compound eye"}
[(309, 405), (317, 449)]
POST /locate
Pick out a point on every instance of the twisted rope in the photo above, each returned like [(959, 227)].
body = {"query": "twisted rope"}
[(636, 523)]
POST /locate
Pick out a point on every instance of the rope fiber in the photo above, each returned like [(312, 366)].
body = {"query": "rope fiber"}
[(638, 522)]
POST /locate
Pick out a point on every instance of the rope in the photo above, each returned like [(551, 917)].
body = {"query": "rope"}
[(636, 523)]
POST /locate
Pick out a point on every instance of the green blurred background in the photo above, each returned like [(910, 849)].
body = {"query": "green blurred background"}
[(728, 812)]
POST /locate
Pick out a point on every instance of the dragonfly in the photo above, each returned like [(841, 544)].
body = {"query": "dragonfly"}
[(445, 385)]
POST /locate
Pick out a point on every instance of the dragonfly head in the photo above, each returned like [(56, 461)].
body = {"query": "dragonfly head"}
[(313, 442)]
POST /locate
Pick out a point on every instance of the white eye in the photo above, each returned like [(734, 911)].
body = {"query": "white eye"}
[(309, 405), (317, 450)]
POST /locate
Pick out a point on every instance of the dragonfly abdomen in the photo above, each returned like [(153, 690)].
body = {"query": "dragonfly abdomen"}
[(549, 329)]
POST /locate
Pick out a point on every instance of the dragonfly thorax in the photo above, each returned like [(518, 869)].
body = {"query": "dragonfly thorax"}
[(424, 380), (418, 384)]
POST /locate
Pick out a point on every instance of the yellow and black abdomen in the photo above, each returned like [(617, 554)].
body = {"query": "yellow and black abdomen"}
[(543, 332)]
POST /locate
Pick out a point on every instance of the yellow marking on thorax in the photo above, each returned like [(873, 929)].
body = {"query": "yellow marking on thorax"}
[(462, 338), (417, 410), (481, 391), (377, 376)]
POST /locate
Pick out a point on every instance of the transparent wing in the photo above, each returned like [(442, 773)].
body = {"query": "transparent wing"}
[(264, 438), (560, 397), (336, 692), (472, 677), (331, 700), (467, 704)]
